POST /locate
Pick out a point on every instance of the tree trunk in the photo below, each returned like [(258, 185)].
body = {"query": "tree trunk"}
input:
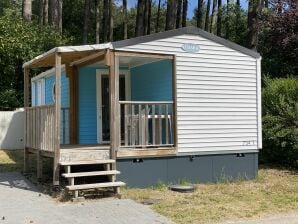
[(140, 18), (213, 16), (27, 10), (60, 16), (56, 15), (157, 18), (228, 20), (184, 12), (219, 18), (41, 14), (179, 9), (111, 19), (45, 12), (200, 14), (254, 7), (171, 15), (207, 16), (105, 21), (149, 17), (124, 19), (86, 21), (238, 26), (146, 20), (97, 21)]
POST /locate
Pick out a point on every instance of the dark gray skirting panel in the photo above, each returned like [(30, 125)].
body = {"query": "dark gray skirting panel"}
[(144, 172)]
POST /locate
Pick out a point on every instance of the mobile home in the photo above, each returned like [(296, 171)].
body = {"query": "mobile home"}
[(177, 105)]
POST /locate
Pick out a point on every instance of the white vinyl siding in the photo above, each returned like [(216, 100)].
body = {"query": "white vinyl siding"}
[(216, 95)]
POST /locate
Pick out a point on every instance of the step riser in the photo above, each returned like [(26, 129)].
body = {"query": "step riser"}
[(87, 162)]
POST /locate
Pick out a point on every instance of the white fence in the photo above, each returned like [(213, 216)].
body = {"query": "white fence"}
[(12, 129)]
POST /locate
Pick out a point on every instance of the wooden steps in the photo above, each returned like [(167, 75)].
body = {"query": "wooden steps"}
[(109, 172), (93, 186), (87, 162), (89, 174)]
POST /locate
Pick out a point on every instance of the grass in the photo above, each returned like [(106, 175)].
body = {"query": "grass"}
[(274, 191)]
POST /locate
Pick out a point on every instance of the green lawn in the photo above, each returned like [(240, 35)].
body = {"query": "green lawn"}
[(273, 191)]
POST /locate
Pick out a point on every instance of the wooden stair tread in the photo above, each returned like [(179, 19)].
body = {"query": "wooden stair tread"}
[(88, 174), (97, 185), (104, 161)]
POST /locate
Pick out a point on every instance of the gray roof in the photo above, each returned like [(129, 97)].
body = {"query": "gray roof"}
[(185, 30)]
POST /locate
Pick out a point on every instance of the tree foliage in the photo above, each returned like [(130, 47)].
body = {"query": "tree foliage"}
[(20, 42), (280, 121), (279, 43)]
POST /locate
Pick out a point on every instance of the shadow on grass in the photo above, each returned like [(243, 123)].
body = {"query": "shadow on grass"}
[(290, 170)]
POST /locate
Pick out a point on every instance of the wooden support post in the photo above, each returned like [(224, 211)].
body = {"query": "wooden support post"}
[(26, 104), (39, 164), (114, 111), (56, 172), (73, 105)]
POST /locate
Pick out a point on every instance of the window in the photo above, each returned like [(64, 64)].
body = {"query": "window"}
[(54, 92), (38, 92)]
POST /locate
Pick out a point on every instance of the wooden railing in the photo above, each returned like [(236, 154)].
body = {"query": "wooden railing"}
[(146, 124), (40, 131)]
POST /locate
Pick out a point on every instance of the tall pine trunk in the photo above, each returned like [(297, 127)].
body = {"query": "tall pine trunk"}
[(228, 20), (200, 14), (41, 14), (56, 15), (86, 21), (184, 12), (105, 21), (171, 15), (238, 14), (111, 20), (124, 19), (213, 16), (140, 18), (254, 7), (45, 12), (97, 21), (157, 18), (146, 15), (219, 15), (207, 15), (179, 9), (149, 17), (27, 10)]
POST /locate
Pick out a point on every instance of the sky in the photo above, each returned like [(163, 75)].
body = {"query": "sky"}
[(192, 4)]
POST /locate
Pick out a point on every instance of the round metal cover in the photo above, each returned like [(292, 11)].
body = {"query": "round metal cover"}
[(182, 188)]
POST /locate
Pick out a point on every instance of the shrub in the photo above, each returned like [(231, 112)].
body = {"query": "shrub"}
[(280, 121)]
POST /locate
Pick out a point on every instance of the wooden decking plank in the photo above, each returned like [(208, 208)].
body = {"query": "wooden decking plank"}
[(87, 162), (94, 186), (88, 174)]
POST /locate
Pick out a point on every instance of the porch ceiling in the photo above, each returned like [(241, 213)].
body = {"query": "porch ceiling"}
[(68, 55), (130, 62)]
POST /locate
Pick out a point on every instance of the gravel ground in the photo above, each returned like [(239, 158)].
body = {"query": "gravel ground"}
[(21, 202)]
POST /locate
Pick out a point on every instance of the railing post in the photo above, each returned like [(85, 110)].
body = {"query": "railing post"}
[(26, 104), (57, 118)]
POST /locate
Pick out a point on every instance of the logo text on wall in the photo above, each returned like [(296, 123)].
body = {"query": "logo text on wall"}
[(191, 48)]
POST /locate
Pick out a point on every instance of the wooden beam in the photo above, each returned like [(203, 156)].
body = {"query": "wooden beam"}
[(141, 153), (26, 104), (56, 173), (144, 55), (91, 59), (73, 105)]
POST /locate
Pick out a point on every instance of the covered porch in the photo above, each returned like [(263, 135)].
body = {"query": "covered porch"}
[(125, 121)]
